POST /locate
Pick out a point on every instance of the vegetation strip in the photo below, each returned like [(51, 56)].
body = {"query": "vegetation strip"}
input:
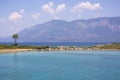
[(13, 48)]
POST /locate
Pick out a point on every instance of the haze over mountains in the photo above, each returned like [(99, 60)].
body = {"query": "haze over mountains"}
[(104, 29)]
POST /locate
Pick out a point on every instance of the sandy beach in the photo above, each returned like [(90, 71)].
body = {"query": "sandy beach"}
[(14, 50), (50, 49)]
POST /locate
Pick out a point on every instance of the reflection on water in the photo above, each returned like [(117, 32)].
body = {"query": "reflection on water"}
[(15, 66)]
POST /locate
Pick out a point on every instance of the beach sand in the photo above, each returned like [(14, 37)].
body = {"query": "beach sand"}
[(14, 50)]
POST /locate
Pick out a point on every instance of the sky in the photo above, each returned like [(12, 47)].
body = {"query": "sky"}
[(16, 15)]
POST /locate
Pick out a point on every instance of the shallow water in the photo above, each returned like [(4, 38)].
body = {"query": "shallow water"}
[(60, 65)]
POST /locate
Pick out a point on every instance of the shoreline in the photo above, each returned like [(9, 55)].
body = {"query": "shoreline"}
[(107, 47), (14, 50), (55, 49)]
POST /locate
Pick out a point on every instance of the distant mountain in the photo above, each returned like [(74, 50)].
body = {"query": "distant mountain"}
[(104, 29)]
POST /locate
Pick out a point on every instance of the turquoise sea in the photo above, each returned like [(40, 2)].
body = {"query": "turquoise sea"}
[(60, 65)]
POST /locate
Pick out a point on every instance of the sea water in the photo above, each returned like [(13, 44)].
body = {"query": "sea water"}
[(57, 43), (60, 65)]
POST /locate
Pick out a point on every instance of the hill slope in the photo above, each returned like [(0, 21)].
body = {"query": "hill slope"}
[(105, 29)]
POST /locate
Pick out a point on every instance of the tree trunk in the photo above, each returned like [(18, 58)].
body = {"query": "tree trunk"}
[(15, 42)]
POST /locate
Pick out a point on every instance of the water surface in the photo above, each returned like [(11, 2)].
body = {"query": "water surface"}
[(60, 65), (57, 43)]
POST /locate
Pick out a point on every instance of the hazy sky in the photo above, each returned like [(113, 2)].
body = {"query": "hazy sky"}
[(16, 15)]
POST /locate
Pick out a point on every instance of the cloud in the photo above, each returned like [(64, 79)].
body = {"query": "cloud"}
[(22, 11), (36, 15), (86, 6), (16, 16), (60, 7), (49, 8)]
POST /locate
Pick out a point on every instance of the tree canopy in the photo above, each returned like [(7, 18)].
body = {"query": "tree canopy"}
[(15, 37)]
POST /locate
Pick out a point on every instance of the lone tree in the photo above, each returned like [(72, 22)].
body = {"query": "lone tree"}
[(15, 37)]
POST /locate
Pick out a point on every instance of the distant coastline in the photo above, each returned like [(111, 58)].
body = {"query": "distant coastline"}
[(55, 44)]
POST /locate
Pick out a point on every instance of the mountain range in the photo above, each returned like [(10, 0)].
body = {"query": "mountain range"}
[(103, 29)]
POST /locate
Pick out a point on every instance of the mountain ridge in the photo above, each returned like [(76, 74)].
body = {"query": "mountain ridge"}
[(102, 29)]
